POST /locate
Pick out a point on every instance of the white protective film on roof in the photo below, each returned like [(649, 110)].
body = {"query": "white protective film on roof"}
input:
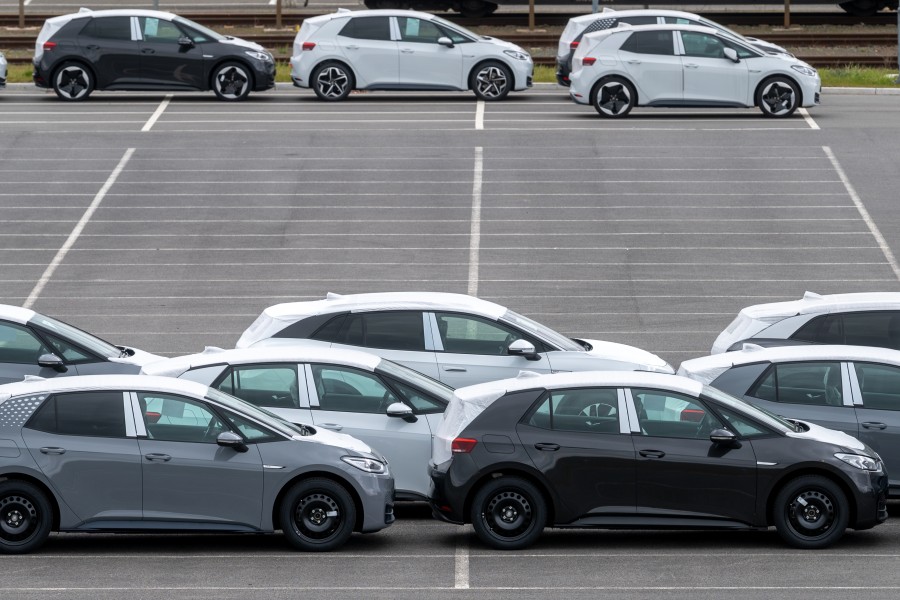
[(16, 314), (104, 382), (815, 303)]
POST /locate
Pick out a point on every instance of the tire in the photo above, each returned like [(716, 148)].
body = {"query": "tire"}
[(613, 97), (778, 97), (491, 81), (317, 515), (475, 9), (25, 517), (73, 82), (232, 82), (332, 81), (508, 513), (811, 512), (861, 8)]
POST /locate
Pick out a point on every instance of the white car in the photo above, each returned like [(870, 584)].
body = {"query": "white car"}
[(392, 408), (861, 319), (608, 18), (454, 338), (686, 66), (2, 71), (403, 50)]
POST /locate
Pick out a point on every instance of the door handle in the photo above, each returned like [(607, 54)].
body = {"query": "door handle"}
[(407, 51), (874, 425), (52, 450), (354, 47), (332, 426), (454, 369), (633, 62), (691, 65), (92, 47), (155, 456), (651, 453), (547, 447), (148, 51)]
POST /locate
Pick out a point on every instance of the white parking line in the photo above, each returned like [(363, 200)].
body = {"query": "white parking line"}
[(808, 119), (79, 227), (159, 111), (475, 227), (479, 114), (461, 567)]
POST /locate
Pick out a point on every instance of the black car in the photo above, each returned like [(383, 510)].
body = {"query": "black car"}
[(145, 50), (643, 450)]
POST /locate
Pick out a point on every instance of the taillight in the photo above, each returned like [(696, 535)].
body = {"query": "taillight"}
[(573, 45), (308, 45), (588, 61), (462, 445), (49, 46), (692, 415)]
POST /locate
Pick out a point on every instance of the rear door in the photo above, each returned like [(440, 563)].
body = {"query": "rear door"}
[(371, 50), (877, 388), (649, 57), (277, 387), (110, 44)]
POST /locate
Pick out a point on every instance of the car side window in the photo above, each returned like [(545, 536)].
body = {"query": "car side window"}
[(590, 410), (879, 385), (400, 330), (667, 414), (638, 20), (702, 45), (345, 389), (826, 329), (650, 42), (108, 28), (68, 351), (877, 328), (178, 419), (250, 430), (19, 345), (268, 386), (90, 414), (466, 334), (421, 402), (159, 30), (680, 21), (418, 30), (743, 426), (812, 383), (368, 28)]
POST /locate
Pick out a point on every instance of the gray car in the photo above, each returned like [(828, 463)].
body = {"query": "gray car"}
[(114, 453)]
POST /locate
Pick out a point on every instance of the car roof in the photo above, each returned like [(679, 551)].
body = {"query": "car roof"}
[(614, 14), (652, 27), (37, 385), (812, 303), (17, 314), (174, 367), (119, 12), (294, 311)]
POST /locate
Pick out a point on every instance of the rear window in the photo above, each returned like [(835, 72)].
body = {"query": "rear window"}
[(367, 28), (108, 28), (650, 42)]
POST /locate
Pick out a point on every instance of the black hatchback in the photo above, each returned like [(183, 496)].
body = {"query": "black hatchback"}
[(643, 450), (145, 50)]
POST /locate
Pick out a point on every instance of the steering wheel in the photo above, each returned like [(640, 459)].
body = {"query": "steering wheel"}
[(705, 427)]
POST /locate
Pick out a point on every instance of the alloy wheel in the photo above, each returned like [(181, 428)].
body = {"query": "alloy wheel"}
[(72, 83), (232, 82), (491, 82), (332, 82), (613, 98), (779, 98)]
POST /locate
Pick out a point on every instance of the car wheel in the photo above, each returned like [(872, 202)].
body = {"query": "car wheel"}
[(73, 82), (811, 512), (232, 82), (778, 97), (317, 515), (613, 97), (508, 513), (861, 8), (25, 517), (332, 81), (475, 9), (491, 81)]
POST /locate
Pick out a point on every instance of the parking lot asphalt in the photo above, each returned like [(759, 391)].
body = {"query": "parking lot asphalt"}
[(170, 221)]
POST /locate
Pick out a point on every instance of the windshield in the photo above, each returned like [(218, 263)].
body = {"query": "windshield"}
[(455, 27), (244, 408), (544, 333), (442, 392), (763, 416), (206, 32), (81, 338)]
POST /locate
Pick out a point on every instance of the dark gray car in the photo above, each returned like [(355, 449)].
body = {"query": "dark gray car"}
[(113, 453)]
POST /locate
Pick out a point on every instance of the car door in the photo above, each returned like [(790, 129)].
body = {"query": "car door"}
[(85, 444), (579, 439), (709, 76), (355, 402), (649, 57), (472, 349), (187, 477), (166, 61), (277, 387), (20, 350), (372, 51), (110, 44), (423, 61), (877, 388), (680, 473)]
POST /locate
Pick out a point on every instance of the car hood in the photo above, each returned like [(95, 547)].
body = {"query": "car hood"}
[(643, 360), (768, 46), (234, 41), (502, 44), (828, 436), (138, 357), (340, 440)]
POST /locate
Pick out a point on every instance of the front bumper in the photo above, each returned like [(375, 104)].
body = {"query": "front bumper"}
[(377, 503), (871, 500), (263, 76)]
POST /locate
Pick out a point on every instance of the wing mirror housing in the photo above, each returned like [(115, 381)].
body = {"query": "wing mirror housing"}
[(52, 361), (523, 348), (402, 411), (230, 439), (445, 41), (185, 42), (731, 54), (723, 437)]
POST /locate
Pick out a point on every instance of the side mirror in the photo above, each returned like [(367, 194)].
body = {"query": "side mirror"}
[(398, 409), (445, 41), (185, 42), (523, 348), (52, 361), (731, 54), (724, 438), (230, 439)]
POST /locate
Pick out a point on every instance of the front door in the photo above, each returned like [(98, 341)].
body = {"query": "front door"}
[(424, 62), (164, 61), (710, 77)]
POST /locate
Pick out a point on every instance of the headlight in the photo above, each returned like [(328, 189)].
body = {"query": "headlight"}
[(808, 71), (517, 55), (369, 465), (263, 56), (863, 463)]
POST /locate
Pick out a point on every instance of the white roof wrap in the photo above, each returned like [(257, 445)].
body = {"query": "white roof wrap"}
[(814, 303), (104, 382), (15, 314)]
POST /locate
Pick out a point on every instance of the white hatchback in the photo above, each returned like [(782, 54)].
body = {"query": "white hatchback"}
[(686, 66), (403, 50), (2, 71)]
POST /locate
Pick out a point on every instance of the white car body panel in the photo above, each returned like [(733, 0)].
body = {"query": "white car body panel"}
[(2, 71)]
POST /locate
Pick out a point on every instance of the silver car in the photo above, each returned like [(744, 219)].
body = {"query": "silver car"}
[(112, 453), (2, 71), (390, 407)]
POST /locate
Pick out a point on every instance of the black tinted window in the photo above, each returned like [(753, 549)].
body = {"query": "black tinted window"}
[(329, 332), (702, 45), (880, 386), (368, 28), (591, 410), (826, 329), (650, 42), (19, 345), (94, 414), (638, 20), (108, 28), (872, 329), (269, 386), (813, 383), (400, 330)]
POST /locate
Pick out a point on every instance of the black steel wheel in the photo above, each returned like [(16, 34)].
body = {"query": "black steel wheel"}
[(73, 82), (778, 97), (317, 515), (613, 97), (25, 517), (508, 513), (232, 82), (811, 512)]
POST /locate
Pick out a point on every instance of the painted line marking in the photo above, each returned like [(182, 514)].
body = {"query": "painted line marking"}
[(475, 228), (461, 568), (157, 114), (79, 227), (479, 114), (808, 119)]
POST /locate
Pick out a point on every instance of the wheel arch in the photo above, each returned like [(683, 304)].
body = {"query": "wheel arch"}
[(229, 59), (513, 471), (768, 78), (620, 75), (788, 477), (341, 481), (471, 75), (80, 61), (51, 497), (335, 59)]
